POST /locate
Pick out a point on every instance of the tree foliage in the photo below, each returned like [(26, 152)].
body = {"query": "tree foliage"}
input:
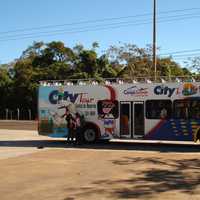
[(43, 61)]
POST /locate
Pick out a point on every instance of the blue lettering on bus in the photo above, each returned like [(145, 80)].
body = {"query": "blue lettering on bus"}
[(54, 96), (164, 90)]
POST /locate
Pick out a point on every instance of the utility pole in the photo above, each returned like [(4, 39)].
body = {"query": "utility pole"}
[(154, 41)]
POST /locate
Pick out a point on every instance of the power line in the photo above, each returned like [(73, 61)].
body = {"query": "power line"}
[(125, 24), (179, 52), (183, 57), (182, 54), (186, 58), (96, 20), (186, 55), (101, 25)]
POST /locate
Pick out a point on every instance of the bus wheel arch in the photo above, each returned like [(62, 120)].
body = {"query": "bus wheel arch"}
[(91, 132)]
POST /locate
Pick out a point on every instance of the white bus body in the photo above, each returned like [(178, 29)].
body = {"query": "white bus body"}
[(155, 111)]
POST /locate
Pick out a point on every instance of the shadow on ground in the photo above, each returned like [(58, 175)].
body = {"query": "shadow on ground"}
[(143, 177), (103, 145), (180, 176)]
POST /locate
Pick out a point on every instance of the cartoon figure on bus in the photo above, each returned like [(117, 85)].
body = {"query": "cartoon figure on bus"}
[(109, 126), (189, 89), (107, 112)]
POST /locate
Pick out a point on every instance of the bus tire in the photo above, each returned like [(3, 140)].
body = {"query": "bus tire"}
[(197, 135), (90, 134)]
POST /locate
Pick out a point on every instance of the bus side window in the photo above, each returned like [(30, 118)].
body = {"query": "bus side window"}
[(158, 109), (187, 109), (194, 109)]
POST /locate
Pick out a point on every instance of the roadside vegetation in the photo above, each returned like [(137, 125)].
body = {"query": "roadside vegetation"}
[(19, 79)]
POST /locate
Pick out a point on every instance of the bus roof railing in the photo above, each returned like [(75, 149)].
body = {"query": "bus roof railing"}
[(140, 79)]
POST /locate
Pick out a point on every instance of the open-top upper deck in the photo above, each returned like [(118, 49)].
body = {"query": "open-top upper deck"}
[(110, 81)]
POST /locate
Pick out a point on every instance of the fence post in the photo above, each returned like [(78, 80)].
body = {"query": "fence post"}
[(17, 113), (11, 114), (29, 113), (6, 113)]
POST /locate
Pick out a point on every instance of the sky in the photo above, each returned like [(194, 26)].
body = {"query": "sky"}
[(107, 22)]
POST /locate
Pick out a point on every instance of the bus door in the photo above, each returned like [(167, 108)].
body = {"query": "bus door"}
[(138, 119), (125, 119)]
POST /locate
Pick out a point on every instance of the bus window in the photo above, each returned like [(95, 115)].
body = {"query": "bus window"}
[(195, 109), (187, 109), (158, 109), (181, 109), (125, 118)]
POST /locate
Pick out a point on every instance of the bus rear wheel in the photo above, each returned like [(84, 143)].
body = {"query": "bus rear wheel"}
[(90, 135), (197, 135)]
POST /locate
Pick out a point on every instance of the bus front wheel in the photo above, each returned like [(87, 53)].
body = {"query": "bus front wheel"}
[(90, 135)]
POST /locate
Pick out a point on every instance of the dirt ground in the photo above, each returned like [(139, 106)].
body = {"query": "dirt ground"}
[(59, 171), (18, 125)]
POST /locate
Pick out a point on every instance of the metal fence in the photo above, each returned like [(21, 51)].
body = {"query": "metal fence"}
[(16, 114)]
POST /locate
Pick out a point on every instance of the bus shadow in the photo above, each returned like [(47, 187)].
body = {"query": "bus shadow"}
[(34, 143), (179, 148)]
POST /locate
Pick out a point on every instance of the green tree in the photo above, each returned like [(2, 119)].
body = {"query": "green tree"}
[(43, 61), (137, 62), (194, 64), (134, 61), (5, 89)]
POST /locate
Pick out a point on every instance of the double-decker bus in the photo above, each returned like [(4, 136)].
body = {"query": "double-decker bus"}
[(149, 111)]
